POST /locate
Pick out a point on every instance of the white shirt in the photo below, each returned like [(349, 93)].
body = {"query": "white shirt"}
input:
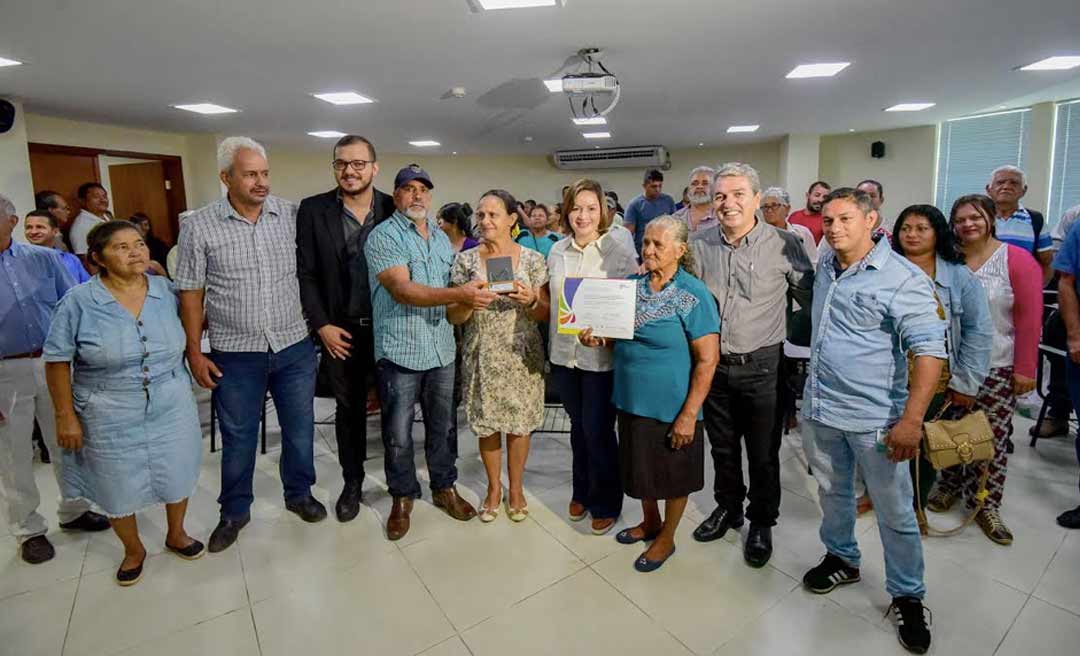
[(81, 228), (606, 257), (623, 236), (1061, 229), (807, 239)]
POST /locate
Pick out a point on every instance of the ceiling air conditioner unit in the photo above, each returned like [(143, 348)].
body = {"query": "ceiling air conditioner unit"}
[(613, 158)]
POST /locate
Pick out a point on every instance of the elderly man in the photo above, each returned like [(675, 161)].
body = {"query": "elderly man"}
[(237, 258), (32, 281), (409, 260), (95, 202), (41, 229), (811, 216), (698, 213), (1016, 224), (871, 308), (331, 230), (651, 203), (750, 267), (775, 207)]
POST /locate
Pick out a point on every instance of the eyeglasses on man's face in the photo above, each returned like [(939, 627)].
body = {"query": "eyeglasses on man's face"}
[(357, 165)]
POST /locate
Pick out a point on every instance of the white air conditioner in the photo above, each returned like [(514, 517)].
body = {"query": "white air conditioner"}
[(613, 158)]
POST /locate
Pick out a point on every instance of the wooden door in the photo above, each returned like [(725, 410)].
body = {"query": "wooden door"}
[(63, 173), (141, 188)]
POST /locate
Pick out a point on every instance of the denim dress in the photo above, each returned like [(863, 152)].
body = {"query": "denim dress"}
[(142, 442)]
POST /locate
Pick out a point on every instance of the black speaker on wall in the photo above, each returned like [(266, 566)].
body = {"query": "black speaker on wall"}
[(7, 116), (877, 149)]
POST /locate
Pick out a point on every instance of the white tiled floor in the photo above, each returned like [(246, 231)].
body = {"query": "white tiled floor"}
[(546, 586)]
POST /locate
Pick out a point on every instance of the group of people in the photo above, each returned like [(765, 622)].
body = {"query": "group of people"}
[(355, 286)]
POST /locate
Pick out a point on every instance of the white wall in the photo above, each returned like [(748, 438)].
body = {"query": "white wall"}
[(15, 182)]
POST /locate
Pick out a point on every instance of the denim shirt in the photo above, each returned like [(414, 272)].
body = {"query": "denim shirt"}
[(970, 330), (864, 322)]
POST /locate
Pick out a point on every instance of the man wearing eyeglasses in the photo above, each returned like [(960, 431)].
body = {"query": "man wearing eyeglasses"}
[(331, 229)]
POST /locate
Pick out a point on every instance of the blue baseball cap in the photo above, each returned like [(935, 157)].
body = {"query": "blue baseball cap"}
[(410, 173)]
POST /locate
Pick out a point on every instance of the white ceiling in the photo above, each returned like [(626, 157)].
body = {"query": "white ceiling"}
[(689, 68)]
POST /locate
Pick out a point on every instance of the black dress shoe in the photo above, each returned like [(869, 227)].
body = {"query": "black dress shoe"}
[(91, 522), (226, 533), (348, 504), (37, 550), (309, 509), (758, 547), (717, 525)]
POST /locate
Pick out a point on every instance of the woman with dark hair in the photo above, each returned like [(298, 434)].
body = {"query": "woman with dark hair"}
[(502, 358), (1013, 283), (125, 412), (159, 250), (454, 220), (922, 235), (536, 234)]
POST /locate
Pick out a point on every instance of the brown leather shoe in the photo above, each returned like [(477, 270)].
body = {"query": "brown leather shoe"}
[(450, 501), (602, 526), (397, 525), (577, 511)]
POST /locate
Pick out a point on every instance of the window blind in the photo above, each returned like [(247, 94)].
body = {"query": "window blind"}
[(970, 148)]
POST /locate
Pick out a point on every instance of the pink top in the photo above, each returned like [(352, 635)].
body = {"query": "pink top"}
[(1013, 283)]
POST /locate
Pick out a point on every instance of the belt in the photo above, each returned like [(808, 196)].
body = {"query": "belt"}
[(23, 356), (358, 323), (737, 359)]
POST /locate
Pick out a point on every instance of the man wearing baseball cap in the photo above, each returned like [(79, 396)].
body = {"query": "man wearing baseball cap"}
[(409, 261)]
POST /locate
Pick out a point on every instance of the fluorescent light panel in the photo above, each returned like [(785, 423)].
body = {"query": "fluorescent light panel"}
[(327, 134), (593, 120), (817, 70), (910, 107), (9, 62), (489, 5), (743, 128), (1060, 63), (206, 108), (424, 143), (343, 98), (596, 135), (554, 86)]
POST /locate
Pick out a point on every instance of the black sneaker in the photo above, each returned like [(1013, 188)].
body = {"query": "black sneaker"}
[(1069, 518), (309, 509), (832, 572), (911, 626)]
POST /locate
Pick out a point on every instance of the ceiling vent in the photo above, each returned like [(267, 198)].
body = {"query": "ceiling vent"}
[(613, 158)]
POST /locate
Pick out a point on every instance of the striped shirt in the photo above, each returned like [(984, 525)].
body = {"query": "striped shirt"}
[(1020, 232), (249, 273), (417, 338)]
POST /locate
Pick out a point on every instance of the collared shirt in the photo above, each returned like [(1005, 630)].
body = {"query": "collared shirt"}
[(1019, 231), (1061, 229), (641, 210), (417, 338), (249, 273), (606, 257), (807, 239), (751, 281), (80, 228), (864, 322), (74, 266), (813, 222), (970, 328), (33, 279), (709, 221), (356, 234)]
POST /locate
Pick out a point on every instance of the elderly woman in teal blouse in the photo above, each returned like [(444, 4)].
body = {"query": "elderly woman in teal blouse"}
[(125, 412), (662, 376)]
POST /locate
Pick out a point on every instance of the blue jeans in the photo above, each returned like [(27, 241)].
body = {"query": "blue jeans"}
[(1073, 375), (399, 390), (833, 454), (289, 376)]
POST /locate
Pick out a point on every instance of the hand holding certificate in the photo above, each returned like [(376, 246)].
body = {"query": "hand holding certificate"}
[(605, 305)]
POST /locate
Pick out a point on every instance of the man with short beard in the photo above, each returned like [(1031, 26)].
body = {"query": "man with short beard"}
[(331, 230), (698, 214), (811, 216), (409, 261), (41, 229)]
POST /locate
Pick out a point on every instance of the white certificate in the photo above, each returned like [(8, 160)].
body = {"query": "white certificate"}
[(605, 305)]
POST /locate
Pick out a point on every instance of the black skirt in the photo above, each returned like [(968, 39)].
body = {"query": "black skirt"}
[(650, 468)]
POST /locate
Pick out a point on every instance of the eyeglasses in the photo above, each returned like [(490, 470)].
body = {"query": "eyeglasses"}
[(771, 207), (357, 164)]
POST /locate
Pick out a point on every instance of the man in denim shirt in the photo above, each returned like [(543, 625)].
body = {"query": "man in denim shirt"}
[(871, 306)]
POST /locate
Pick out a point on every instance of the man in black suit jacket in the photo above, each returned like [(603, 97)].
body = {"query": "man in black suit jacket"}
[(331, 229)]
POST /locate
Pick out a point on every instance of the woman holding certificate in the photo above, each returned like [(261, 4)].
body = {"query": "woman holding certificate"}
[(675, 348), (584, 375), (502, 358)]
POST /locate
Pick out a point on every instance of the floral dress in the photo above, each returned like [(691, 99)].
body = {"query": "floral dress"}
[(502, 357)]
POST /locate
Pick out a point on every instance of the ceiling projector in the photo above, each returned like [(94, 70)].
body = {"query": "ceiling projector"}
[(589, 83)]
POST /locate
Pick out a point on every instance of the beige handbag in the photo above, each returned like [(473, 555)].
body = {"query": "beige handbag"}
[(952, 442)]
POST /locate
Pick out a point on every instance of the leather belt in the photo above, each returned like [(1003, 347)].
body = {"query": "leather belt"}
[(23, 356), (738, 359)]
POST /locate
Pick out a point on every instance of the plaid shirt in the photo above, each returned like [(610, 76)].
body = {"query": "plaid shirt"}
[(249, 273), (417, 338)]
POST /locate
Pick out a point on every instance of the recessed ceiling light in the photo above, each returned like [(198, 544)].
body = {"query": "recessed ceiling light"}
[(851, 129), (343, 98), (700, 144), (910, 107), (454, 153), (206, 108), (1061, 63), (817, 70), (743, 128), (490, 5), (9, 62), (594, 120), (596, 135), (424, 143), (327, 134)]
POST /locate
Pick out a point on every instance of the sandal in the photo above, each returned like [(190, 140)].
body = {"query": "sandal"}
[(488, 515)]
